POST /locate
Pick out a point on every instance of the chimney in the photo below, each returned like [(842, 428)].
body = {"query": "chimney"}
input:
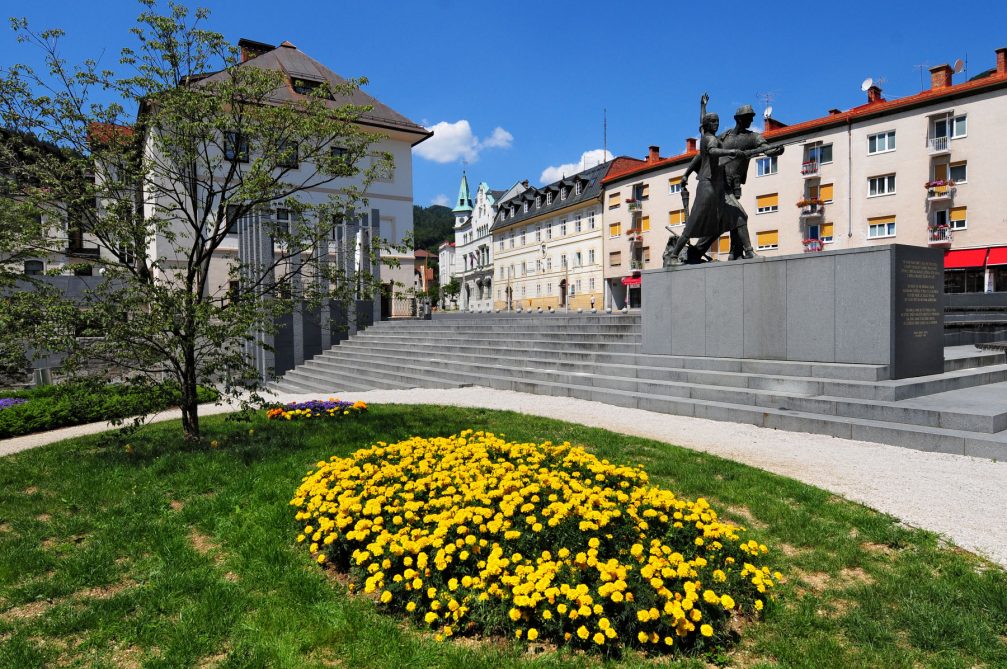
[(772, 124), (654, 155), (525, 183), (835, 112), (940, 76), (1002, 61), (690, 144), (874, 95)]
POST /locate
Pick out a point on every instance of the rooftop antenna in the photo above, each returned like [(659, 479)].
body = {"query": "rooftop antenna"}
[(921, 67), (767, 113), (604, 132), (766, 98), (866, 84)]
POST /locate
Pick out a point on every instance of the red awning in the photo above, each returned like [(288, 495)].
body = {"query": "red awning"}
[(631, 280), (965, 258), (998, 256)]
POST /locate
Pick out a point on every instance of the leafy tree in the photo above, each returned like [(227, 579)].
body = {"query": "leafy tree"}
[(171, 156)]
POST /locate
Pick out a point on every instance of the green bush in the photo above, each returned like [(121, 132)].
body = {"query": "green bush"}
[(63, 405)]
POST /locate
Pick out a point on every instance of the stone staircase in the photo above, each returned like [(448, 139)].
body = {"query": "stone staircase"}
[(597, 357)]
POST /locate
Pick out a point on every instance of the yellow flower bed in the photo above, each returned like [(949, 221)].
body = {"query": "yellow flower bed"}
[(473, 534)]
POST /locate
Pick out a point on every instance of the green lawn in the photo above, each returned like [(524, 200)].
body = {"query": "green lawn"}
[(186, 557)]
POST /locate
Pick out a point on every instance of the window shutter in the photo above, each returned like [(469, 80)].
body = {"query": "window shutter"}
[(958, 213), (881, 220), (645, 224), (940, 171), (676, 217), (674, 181), (769, 238), (724, 244), (825, 193), (615, 229), (826, 230), (771, 200)]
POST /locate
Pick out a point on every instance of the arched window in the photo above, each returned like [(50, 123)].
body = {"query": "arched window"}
[(34, 267)]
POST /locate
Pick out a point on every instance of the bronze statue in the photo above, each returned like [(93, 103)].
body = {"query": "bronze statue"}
[(708, 213), (735, 149)]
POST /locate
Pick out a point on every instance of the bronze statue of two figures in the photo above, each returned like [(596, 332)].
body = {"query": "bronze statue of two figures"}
[(722, 168)]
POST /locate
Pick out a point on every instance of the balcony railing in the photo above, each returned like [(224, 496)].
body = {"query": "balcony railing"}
[(810, 168), (813, 245), (940, 235), (636, 264), (809, 211), (936, 194), (634, 205), (938, 145)]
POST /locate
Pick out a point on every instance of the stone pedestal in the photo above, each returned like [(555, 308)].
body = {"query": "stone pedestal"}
[(880, 305)]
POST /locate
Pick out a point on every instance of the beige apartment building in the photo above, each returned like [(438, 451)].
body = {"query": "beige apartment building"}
[(925, 169), (547, 245)]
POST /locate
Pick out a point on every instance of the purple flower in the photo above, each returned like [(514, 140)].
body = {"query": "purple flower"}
[(7, 402)]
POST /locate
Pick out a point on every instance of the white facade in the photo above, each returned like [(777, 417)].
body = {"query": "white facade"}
[(473, 252)]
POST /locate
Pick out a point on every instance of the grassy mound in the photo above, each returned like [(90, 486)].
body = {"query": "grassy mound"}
[(474, 534)]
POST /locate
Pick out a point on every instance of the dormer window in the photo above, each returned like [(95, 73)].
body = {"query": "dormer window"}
[(562, 193), (577, 188), (525, 208), (303, 86), (538, 201), (548, 198)]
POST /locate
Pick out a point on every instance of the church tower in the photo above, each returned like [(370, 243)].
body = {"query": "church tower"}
[(463, 205)]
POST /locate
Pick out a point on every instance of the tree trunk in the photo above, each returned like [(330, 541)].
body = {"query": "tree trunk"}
[(189, 402)]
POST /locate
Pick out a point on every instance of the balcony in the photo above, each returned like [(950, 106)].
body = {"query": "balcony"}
[(83, 252), (940, 191), (938, 146), (636, 264), (813, 246), (811, 168), (811, 209), (634, 205), (634, 235), (940, 236)]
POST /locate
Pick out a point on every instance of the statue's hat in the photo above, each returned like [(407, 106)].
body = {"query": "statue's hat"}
[(744, 110)]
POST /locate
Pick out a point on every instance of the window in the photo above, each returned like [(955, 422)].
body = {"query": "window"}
[(590, 257), (767, 239), (235, 147), (959, 126), (959, 219), (881, 142), (562, 193), (724, 244), (231, 214), (500, 245), (538, 266), (548, 198), (578, 259), (548, 289), (34, 267), (674, 185), (590, 220), (646, 254), (524, 208), (287, 154), (644, 223), (538, 233), (817, 154), (548, 231), (959, 172), (511, 236), (562, 228), (578, 287), (524, 268), (577, 225), (825, 193), (562, 262), (283, 221), (548, 264), (812, 232), (538, 290), (614, 229), (613, 200), (881, 226), (767, 203), (763, 166), (614, 258), (338, 152), (523, 240), (590, 284), (577, 187), (641, 192), (881, 185), (676, 217), (308, 87), (825, 234), (538, 201)]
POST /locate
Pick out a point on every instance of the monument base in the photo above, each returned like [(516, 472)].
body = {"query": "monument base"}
[(880, 305)]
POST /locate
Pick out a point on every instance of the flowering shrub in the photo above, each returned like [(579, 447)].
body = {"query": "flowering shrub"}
[(330, 408), (7, 402), (473, 534), (937, 183)]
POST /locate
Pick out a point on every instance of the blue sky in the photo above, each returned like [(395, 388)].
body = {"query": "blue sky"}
[(518, 89)]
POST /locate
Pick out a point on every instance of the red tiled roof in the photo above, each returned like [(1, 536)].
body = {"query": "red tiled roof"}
[(868, 110), (102, 133), (631, 166)]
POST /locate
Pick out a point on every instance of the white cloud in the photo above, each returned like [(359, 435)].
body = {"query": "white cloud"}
[(456, 141), (587, 159), (440, 199)]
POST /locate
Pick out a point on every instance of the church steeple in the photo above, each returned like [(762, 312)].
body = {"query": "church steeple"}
[(464, 202)]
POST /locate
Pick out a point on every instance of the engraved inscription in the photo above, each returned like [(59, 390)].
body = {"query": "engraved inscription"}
[(919, 296)]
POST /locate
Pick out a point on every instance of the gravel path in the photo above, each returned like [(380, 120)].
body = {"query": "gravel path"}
[(957, 496)]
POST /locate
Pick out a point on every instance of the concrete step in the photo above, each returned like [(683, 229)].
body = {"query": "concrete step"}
[(781, 393)]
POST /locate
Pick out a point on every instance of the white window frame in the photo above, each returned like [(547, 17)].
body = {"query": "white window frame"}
[(953, 126), (590, 256), (771, 161), (964, 164), (578, 226), (768, 247), (675, 187), (882, 179), (770, 209), (889, 230), (890, 144)]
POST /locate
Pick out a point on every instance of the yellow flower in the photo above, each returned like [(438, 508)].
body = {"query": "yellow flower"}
[(642, 637), (727, 602), (706, 630), (514, 614), (758, 605), (386, 597), (583, 633), (532, 634), (599, 638)]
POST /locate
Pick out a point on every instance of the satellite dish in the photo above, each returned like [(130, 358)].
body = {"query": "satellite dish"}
[(868, 82), (959, 65), (768, 113)]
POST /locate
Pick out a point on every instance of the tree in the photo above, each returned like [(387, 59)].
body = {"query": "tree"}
[(452, 288), (157, 167)]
